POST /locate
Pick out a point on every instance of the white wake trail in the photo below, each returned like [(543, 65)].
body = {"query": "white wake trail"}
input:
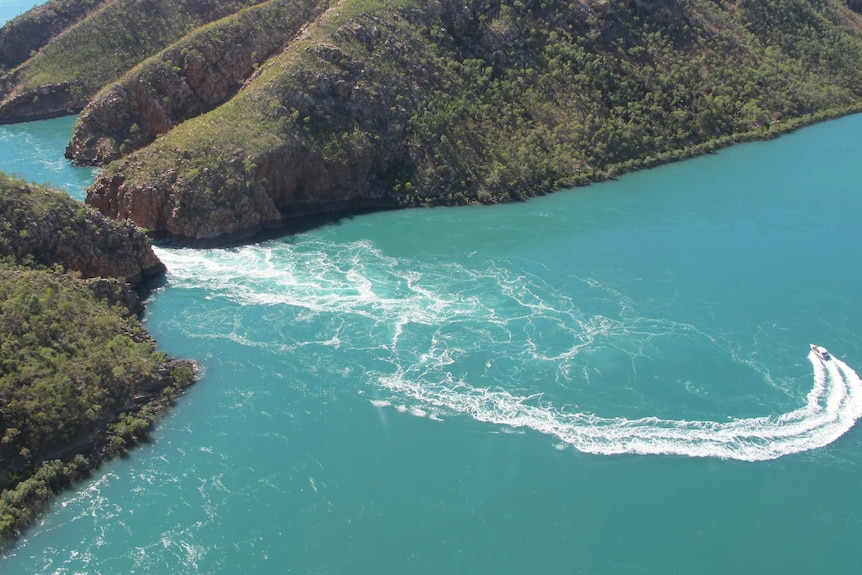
[(833, 406), (428, 321)]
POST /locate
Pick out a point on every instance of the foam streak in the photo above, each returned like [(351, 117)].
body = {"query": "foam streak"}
[(456, 339), (833, 406)]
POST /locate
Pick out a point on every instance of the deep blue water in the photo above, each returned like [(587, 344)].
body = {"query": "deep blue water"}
[(614, 379)]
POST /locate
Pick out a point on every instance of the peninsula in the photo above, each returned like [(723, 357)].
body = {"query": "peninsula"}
[(80, 379)]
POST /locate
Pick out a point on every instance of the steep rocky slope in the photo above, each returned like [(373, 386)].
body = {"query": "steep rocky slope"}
[(46, 227), (414, 102), (193, 76), (28, 33), (64, 74)]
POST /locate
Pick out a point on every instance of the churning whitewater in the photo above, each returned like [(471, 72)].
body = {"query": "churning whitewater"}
[(493, 341), (418, 390)]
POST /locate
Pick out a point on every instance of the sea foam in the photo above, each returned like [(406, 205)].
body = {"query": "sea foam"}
[(489, 341)]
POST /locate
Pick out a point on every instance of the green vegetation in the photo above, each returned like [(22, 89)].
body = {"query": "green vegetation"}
[(80, 379), (375, 104), (192, 76), (27, 33), (414, 103), (47, 227), (113, 39), (70, 362)]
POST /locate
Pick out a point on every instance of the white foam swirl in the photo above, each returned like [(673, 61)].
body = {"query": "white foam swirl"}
[(833, 406), (488, 341)]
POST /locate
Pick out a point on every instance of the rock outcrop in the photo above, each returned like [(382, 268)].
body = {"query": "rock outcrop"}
[(284, 186), (26, 34), (64, 73), (47, 101), (114, 292), (46, 227), (191, 77)]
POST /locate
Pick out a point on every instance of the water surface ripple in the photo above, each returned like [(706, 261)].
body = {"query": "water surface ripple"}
[(468, 390)]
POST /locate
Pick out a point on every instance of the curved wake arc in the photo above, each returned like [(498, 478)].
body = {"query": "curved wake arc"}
[(833, 405), (430, 324)]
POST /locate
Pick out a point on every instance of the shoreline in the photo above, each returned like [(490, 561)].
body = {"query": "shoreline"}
[(300, 223), (763, 134), (28, 494)]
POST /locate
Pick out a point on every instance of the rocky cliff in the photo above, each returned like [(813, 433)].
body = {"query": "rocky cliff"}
[(43, 102), (380, 105), (46, 227), (193, 76), (284, 110), (62, 75), (28, 33)]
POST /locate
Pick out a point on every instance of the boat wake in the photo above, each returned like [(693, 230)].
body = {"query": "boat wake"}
[(833, 406), (502, 345)]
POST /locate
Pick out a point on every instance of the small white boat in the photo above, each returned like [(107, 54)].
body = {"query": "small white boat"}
[(821, 352)]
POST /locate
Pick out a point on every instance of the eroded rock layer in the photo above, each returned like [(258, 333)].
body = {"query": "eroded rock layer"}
[(46, 227)]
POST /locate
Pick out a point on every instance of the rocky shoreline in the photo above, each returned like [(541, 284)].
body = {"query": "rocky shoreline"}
[(454, 103), (25, 494), (154, 206), (275, 112), (81, 380)]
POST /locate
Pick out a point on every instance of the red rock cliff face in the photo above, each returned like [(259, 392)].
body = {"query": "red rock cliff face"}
[(50, 228), (60, 74), (283, 187), (344, 158), (192, 77), (454, 101)]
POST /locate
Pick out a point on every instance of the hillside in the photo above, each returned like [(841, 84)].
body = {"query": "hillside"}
[(45, 227), (80, 379), (285, 109), (29, 32), (193, 76), (412, 103), (60, 76)]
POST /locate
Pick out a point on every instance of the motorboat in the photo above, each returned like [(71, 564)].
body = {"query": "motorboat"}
[(821, 352)]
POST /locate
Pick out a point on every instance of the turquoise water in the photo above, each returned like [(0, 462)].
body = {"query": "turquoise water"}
[(613, 379), (34, 151), (11, 8)]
